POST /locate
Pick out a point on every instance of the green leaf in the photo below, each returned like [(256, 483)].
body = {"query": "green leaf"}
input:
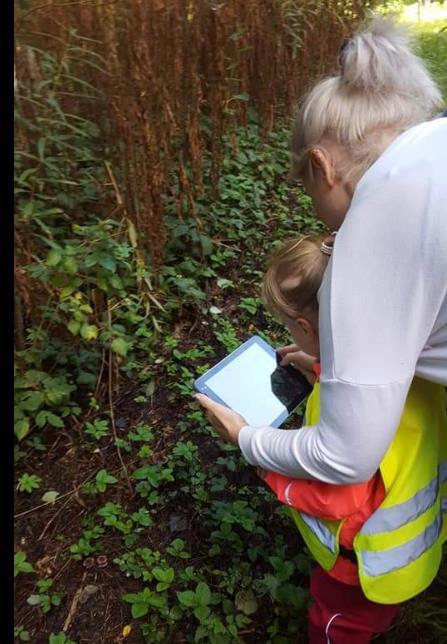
[(139, 610), (54, 257), (203, 593), (66, 292), (54, 421), (22, 428), (103, 479), (142, 516), (89, 331), (201, 612), (161, 586), (56, 599), (28, 483), (108, 263), (21, 634), (132, 598), (157, 601), (86, 378), (222, 282), (41, 418), (21, 564), (70, 265), (33, 401), (164, 574), (115, 281), (187, 598), (60, 638), (73, 326), (207, 245), (120, 346)]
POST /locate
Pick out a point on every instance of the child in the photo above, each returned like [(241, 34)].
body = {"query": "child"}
[(377, 543)]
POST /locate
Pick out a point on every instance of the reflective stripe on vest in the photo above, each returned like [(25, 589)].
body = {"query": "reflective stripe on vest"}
[(322, 532), (379, 563), (387, 519)]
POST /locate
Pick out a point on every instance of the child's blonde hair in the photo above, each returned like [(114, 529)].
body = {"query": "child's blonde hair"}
[(294, 275), (382, 88)]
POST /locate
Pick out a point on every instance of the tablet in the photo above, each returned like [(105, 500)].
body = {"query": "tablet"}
[(251, 382)]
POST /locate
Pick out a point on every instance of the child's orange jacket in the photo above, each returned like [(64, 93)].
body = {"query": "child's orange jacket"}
[(354, 503)]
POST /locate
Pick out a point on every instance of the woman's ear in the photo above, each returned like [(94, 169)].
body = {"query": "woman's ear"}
[(322, 161)]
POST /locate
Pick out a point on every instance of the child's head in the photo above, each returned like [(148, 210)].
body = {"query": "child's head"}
[(291, 284)]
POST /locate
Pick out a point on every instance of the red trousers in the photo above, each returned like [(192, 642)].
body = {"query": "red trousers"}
[(341, 614)]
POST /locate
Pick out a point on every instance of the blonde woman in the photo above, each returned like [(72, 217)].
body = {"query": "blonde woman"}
[(375, 168)]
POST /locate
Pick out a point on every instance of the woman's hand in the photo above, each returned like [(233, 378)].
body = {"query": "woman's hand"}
[(226, 422), (292, 354)]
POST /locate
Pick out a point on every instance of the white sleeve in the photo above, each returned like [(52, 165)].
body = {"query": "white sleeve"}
[(379, 302)]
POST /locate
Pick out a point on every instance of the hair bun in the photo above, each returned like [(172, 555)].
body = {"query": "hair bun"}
[(379, 59)]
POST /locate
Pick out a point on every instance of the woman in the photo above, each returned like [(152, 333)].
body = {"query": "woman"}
[(375, 170)]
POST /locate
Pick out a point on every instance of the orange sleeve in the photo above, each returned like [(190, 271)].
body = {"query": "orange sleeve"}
[(332, 502)]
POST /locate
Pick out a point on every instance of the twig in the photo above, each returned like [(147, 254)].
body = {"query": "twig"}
[(73, 491), (52, 519), (74, 605), (61, 570), (217, 242), (62, 496), (112, 415), (101, 371), (119, 198)]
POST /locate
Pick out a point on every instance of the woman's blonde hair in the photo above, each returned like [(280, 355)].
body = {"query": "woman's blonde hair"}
[(294, 275), (383, 88)]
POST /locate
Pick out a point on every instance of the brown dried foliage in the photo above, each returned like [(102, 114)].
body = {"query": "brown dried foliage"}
[(171, 62)]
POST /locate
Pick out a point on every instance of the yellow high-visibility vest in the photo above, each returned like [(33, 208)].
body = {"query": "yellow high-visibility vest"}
[(399, 547)]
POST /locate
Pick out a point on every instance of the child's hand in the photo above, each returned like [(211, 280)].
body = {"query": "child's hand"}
[(293, 355)]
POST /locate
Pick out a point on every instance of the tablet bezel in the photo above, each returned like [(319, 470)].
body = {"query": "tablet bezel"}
[(202, 387)]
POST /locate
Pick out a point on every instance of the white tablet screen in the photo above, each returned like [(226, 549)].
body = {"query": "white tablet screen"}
[(245, 386)]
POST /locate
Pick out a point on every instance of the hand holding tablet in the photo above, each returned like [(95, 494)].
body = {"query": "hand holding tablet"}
[(250, 382)]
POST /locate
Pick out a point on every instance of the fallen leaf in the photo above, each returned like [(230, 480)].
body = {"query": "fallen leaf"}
[(177, 523), (41, 564), (50, 496), (79, 499), (87, 592), (127, 630), (245, 601)]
